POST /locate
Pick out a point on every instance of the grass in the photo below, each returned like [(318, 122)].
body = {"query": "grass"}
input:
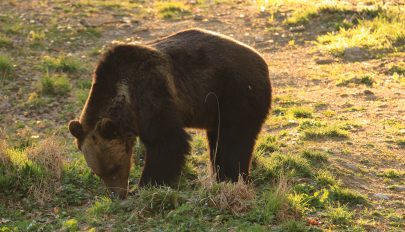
[(267, 144), (5, 42), (172, 10), (355, 80), (339, 215), (6, 67), (397, 68), (274, 203), (330, 132), (281, 164), (346, 196), (109, 4), (400, 142), (315, 156), (392, 173), (34, 172), (333, 14), (301, 112), (325, 178), (62, 63), (70, 225), (55, 85), (293, 226), (299, 203), (385, 33)]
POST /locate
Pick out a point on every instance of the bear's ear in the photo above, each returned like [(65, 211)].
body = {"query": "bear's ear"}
[(107, 129), (76, 129)]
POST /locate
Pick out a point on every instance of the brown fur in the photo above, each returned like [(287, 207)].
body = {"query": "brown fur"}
[(177, 82)]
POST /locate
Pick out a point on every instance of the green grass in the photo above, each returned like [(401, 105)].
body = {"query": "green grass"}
[(172, 10), (392, 173), (346, 196), (302, 16), (332, 14), (355, 80), (301, 112), (315, 156), (10, 24), (35, 100), (70, 225), (330, 132), (6, 67), (90, 32), (55, 85), (109, 4), (267, 144), (339, 215), (398, 69), (100, 207), (272, 203), (28, 172), (299, 203), (385, 33), (398, 72), (280, 164), (61, 63), (5, 42), (293, 226), (325, 178), (285, 100), (400, 142)]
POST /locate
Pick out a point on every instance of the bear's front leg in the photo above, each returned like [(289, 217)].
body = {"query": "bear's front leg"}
[(165, 159)]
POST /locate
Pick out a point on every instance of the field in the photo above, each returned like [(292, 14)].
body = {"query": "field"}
[(330, 157)]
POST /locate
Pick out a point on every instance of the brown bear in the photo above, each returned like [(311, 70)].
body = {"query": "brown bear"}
[(192, 79)]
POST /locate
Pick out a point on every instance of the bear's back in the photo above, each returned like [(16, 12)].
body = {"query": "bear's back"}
[(199, 44)]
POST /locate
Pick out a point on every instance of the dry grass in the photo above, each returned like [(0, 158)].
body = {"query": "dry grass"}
[(283, 212), (49, 155), (4, 159), (234, 197)]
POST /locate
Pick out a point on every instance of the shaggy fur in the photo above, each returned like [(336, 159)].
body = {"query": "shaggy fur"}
[(180, 81)]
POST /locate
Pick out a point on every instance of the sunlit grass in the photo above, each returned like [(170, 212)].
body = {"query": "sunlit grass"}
[(365, 79), (314, 130), (61, 63), (339, 214), (301, 112), (55, 85), (267, 144), (392, 173), (110, 4), (315, 156), (385, 32), (281, 164), (172, 10), (325, 178)]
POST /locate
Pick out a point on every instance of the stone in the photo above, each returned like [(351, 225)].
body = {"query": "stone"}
[(381, 196), (354, 53), (324, 61)]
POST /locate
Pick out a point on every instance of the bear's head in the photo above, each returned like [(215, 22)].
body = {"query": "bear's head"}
[(106, 153)]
